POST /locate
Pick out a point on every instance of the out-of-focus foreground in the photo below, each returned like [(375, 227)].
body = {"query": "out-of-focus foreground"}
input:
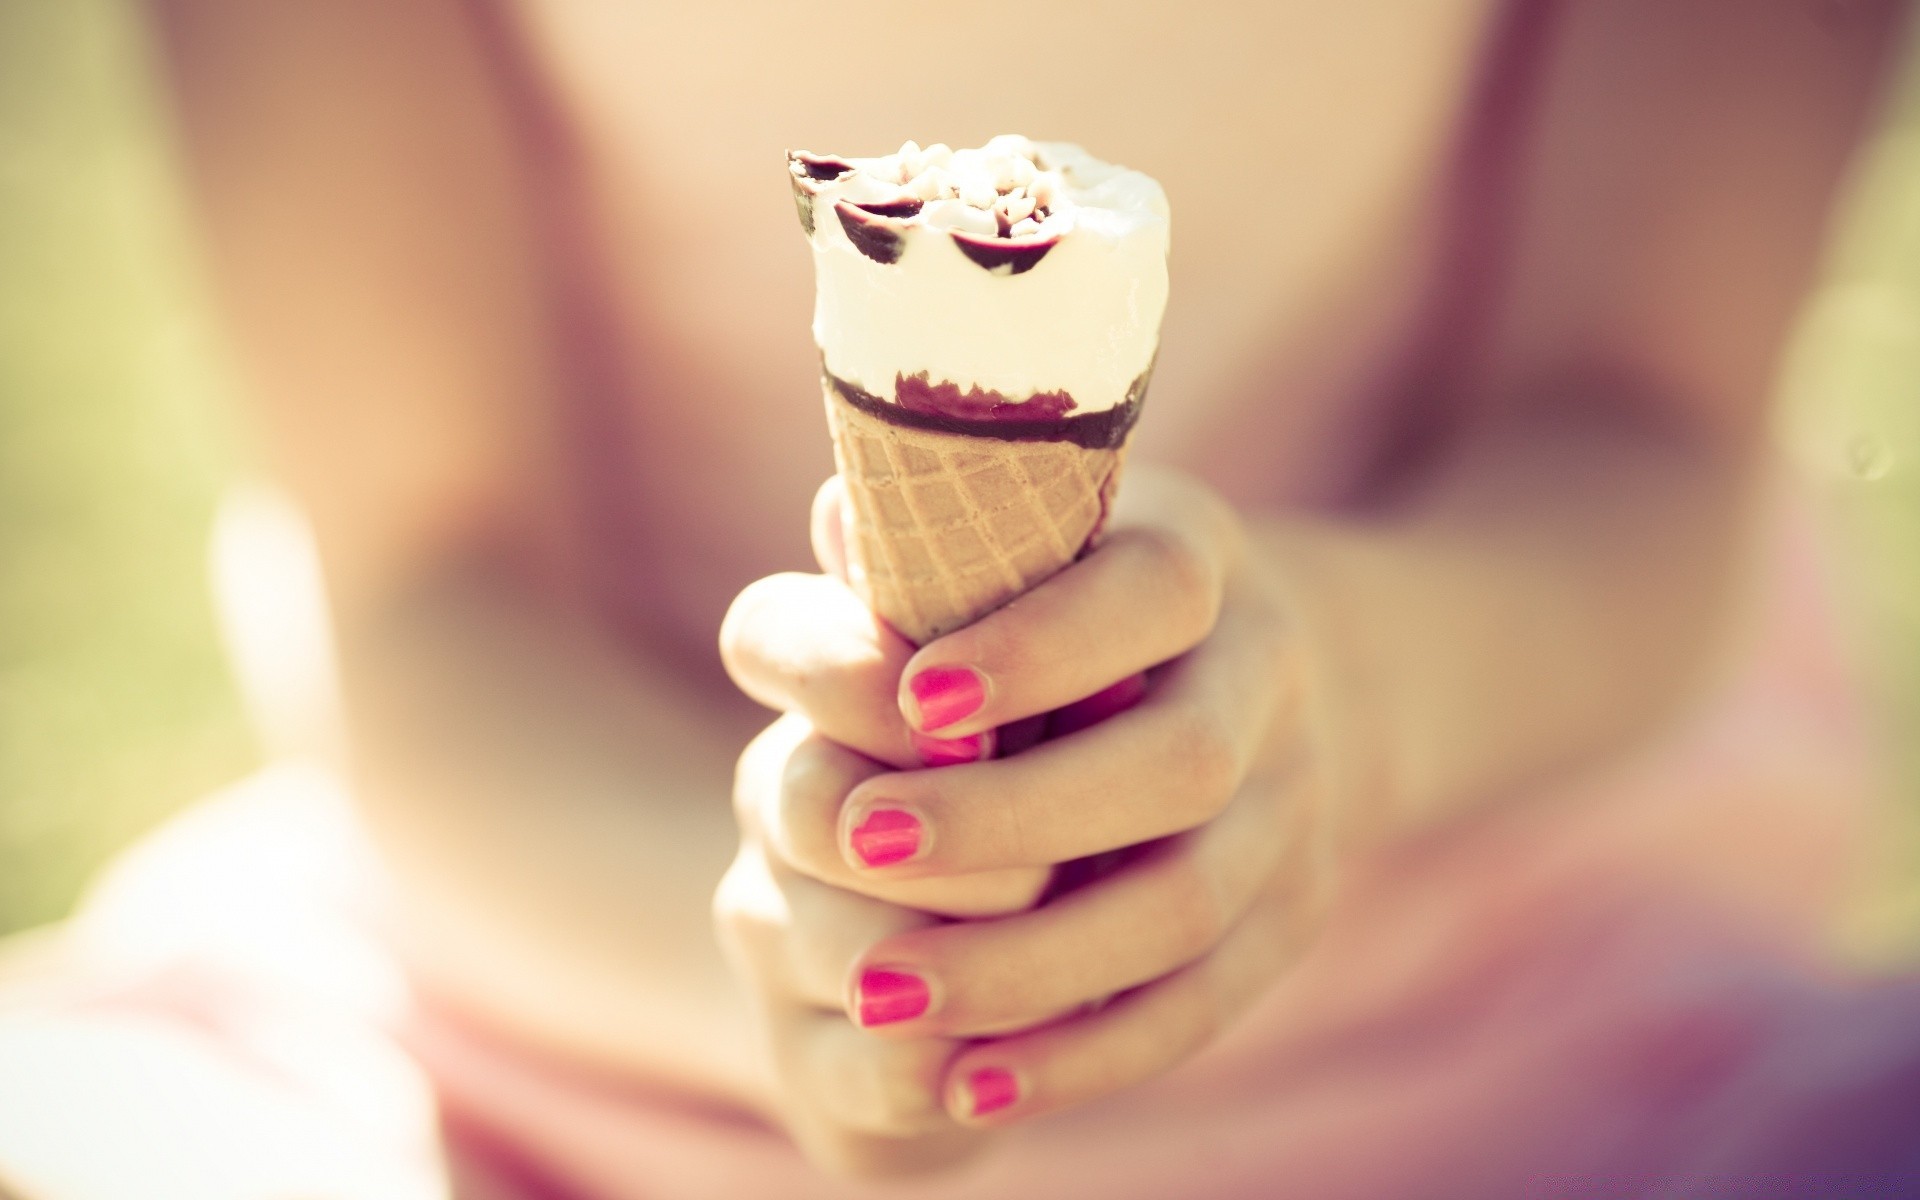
[(114, 704)]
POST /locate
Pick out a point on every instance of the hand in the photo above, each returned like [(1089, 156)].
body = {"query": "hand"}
[(1196, 805), (854, 1103), (805, 644)]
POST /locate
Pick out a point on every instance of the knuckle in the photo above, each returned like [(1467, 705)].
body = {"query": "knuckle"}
[(810, 958), (1193, 1010), (742, 910), (1004, 642), (1209, 759), (1193, 908), (812, 790), (756, 770), (1277, 647), (1186, 579), (848, 686), (749, 773), (1223, 525), (810, 683), (838, 1153), (738, 628), (889, 1087), (1207, 1015), (1267, 626)]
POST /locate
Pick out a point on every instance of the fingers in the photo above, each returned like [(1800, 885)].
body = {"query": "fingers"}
[(1136, 1036), (805, 644), (859, 1082), (1148, 593), (787, 792), (789, 789), (795, 941), (854, 1155), (1167, 765), (1168, 905), (846, 1086), (801, 938)]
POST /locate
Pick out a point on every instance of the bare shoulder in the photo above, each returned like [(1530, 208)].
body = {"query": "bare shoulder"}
[(373, 237)]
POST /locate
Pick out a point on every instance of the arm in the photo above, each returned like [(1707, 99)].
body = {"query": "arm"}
[(548, 793), (1558, 586), (1514, 598), (1560, 574)]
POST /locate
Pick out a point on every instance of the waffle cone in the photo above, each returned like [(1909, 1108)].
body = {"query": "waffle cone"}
[(943, 528)]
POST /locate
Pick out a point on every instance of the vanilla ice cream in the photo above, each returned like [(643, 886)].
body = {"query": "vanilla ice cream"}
[(1013, 291)]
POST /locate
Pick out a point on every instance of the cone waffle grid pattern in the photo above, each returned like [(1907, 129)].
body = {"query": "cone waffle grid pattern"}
[(946, 528)]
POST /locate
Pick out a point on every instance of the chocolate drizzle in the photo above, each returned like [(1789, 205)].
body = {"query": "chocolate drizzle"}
[(804, 172), (823, 167), (875, 235), (1003, 255), (878, 228), (917, 393), (1090, 431), (902, 209)]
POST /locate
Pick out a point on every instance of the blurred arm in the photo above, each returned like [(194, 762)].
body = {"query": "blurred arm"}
[(375, 251), (554, 800), (1556, 569)]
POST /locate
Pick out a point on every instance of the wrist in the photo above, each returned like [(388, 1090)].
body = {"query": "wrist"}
[(1314, 570)]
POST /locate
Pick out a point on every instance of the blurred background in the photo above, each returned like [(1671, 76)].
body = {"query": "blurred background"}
[(116, 444), (115, 705)]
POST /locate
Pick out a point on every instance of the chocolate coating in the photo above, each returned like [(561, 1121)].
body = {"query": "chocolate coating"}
[(945, 399), (823, 167), (995, 253), (877, 237), (1092, 431), (891, 208)]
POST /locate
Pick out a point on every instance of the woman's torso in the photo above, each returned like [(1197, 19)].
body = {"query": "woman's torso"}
[(1299, 143)]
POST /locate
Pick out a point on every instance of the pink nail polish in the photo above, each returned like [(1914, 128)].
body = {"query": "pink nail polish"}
[(887, 836), (947, 694), (991, 1089), (948, 752), (889, 996)]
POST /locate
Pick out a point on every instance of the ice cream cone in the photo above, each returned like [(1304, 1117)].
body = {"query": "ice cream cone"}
[(946, 527), (987, 321)]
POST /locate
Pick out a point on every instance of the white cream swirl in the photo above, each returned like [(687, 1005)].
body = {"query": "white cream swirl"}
[(1017, 268)]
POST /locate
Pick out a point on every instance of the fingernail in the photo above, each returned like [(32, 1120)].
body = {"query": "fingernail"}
[(948, 752), (947, 694), (886, 836), (889, 996), (991, 1089)]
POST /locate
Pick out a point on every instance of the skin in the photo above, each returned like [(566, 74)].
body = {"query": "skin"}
[(1525, 434)]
